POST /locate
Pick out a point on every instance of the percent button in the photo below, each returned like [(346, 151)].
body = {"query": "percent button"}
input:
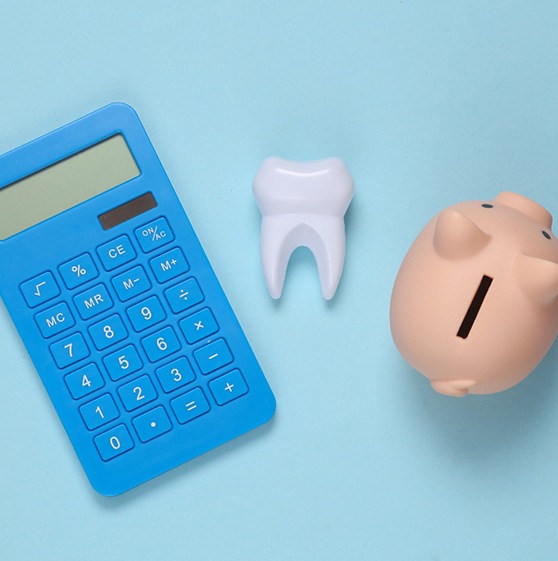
[(78, 271)]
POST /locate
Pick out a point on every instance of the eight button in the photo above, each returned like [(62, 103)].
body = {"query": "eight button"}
[(108, 332)]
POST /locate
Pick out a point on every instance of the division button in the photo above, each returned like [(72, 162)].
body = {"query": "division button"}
[(184, 295)]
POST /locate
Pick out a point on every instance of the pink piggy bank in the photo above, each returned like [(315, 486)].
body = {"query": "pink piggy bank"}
[(474, 306)]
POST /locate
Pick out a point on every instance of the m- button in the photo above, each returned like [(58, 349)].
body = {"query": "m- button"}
[(116, 253)]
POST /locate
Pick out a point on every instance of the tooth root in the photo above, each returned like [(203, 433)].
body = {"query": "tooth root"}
[(303, 204)]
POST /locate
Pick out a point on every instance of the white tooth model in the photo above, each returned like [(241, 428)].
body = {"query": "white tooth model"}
[(303, 204)]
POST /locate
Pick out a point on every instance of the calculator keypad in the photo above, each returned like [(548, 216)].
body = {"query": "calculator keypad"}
[(160, 360)]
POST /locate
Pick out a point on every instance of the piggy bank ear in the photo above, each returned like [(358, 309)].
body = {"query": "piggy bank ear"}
[(538, 278), (457, 236)]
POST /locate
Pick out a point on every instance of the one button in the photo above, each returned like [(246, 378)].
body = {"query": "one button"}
[(175, 375), (228, 387), (84, 381), (99, 412), (113, 442), (184, 295), (78, 271), (152, 424), (147, 313), (116, 253), (198, 326), (213, 356), (40, 289), (108, 332), (70, 350), (169, 265), (93, 302), (137, 393), (154, 235), (55, 320), (161, 344), (123, 362), (131, 283), (190, 405)]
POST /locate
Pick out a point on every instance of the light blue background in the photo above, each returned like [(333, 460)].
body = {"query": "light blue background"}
[(429, 103)]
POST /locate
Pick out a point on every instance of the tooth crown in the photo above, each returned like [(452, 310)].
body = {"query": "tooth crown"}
[(303, 204), (321, 187)]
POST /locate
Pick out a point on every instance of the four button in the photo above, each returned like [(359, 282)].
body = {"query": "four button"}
[(94, 301)]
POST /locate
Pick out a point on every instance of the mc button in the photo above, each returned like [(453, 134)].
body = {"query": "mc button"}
[(55, 320), (116, 253)]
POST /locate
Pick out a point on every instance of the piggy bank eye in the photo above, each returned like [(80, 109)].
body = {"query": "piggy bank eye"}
[(546, 234), (487, 205)]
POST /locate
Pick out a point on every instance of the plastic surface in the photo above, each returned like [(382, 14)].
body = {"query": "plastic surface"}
[(100, 356), (474, 305), (303, 204)]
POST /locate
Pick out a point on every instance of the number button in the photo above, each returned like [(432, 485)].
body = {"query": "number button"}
[(175, 375), (146, 314), (161, 344), (169, 265), (78, 271), (137, 393), (198, 326), (93, 302), (131, 283), (69, 350), (228, 387), (184, 295), (40, 289), (55, 320), (116, 253), (113, 442), (153, 235), (213, 356), (123, 362), (84, 381), (108, 332), (99, 412), (190, 405), (152, 424)]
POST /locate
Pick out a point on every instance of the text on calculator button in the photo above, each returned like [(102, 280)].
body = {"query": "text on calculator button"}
[(116, 253), (137, 393), (78, 271), (160, 344), (84, 381), (113, 442), (190, 405), (93, 302), (131, 283), (55, 320), (153, 235), (99, 412), (69, 350), (184, 295), (169, 265), (213, 356), (228, 387), (123, 362), (108, 332)]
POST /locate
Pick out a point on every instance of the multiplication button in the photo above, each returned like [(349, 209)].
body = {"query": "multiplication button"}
[(78, 271), (154, 235), (198, 326)]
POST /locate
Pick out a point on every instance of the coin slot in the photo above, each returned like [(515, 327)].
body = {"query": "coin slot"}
[(474, 307)]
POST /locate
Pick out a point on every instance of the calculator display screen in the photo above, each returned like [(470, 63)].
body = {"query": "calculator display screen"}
[(65, 184)]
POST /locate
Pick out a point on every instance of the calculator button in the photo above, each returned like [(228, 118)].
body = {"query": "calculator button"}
[(131, 283), (113, 442), (198, 326), (147, 313), (55, 320), (84, 381), (99, 412), (93, 302), (190, 405), (116, 253), (137, 393), (152, 424), (69, 350), (123, 362), (40, 289), (78, 271), (154, 235), (213, 356), (175, 375), (169, 265), (108, 332), (228, 387), (184, 295), (161, 344)]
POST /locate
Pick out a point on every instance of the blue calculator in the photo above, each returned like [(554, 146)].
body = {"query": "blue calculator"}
[(117, 304)]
